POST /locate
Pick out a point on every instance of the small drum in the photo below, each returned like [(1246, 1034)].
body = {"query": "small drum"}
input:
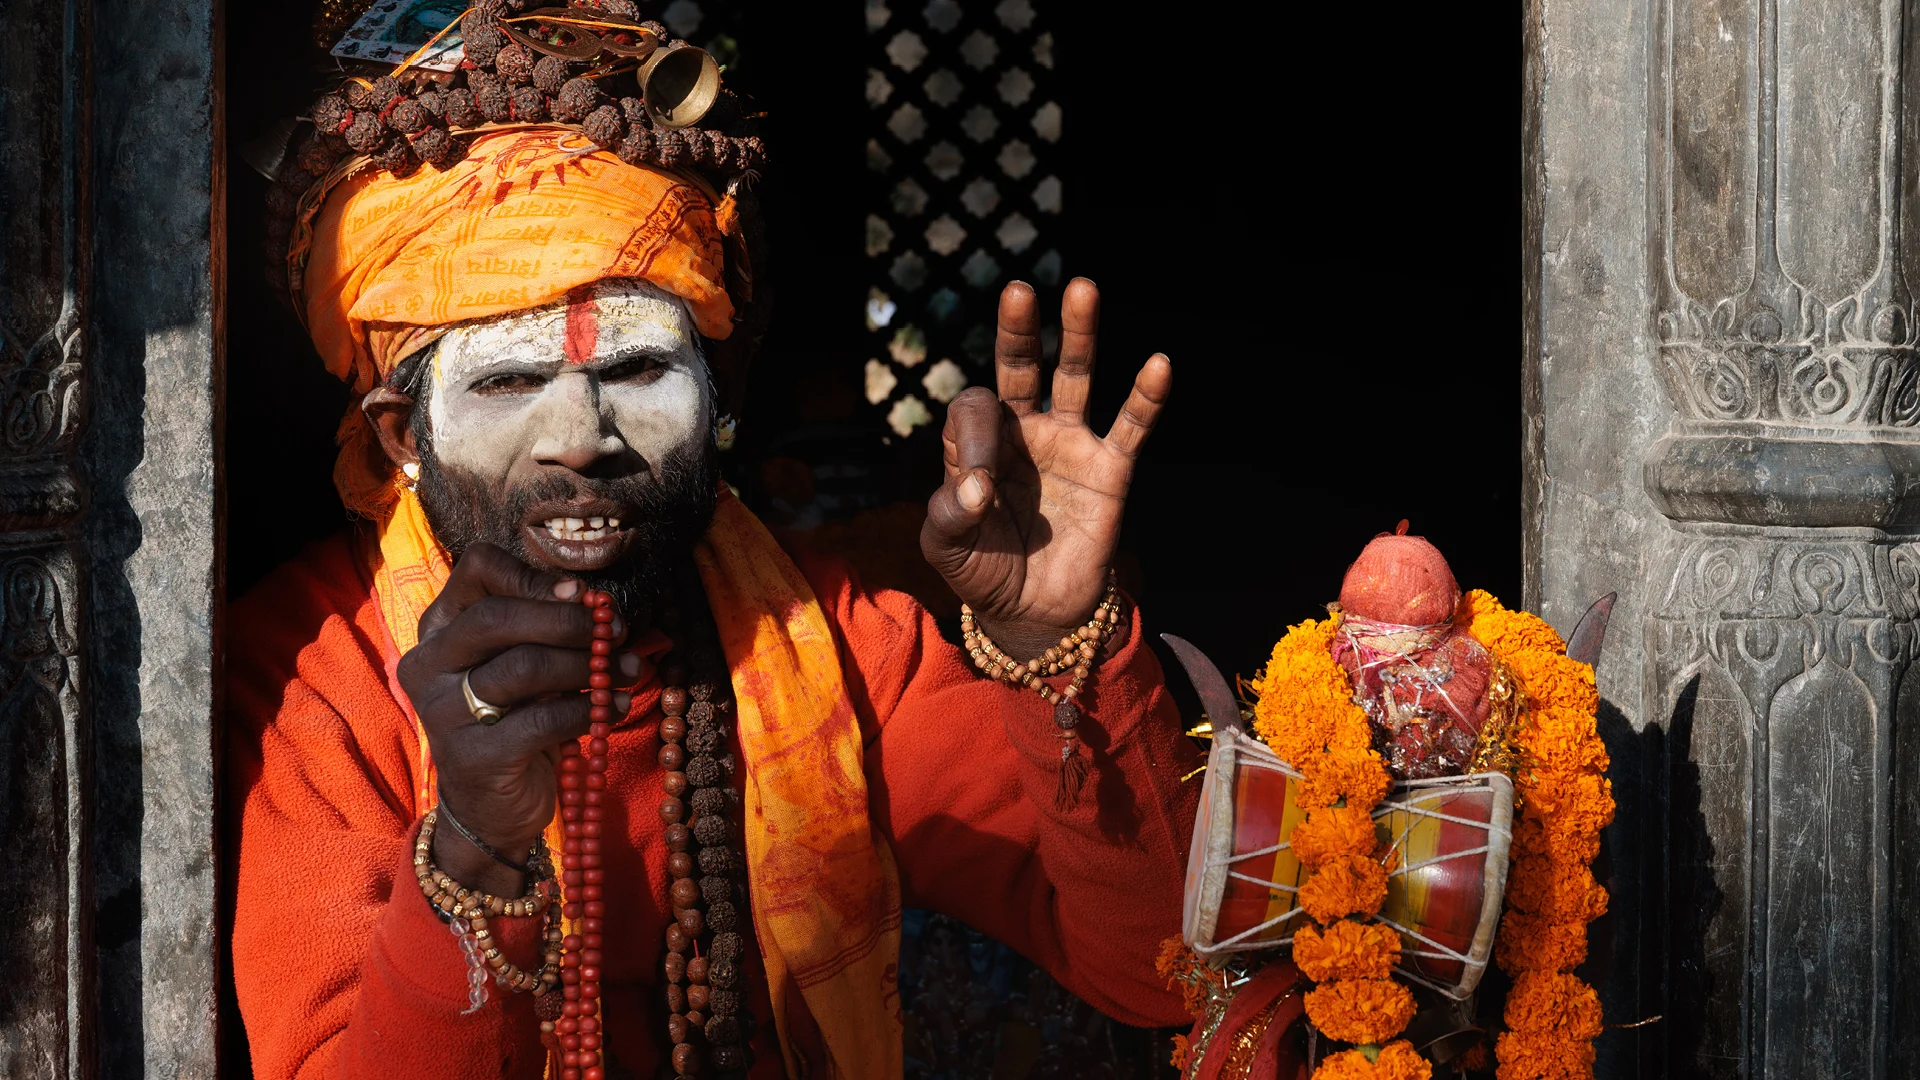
[(1450, 836)]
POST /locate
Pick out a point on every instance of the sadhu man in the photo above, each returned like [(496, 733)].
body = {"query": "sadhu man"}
[(561, 764)]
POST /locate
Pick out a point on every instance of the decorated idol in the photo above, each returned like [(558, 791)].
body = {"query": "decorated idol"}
[(1419, 793)]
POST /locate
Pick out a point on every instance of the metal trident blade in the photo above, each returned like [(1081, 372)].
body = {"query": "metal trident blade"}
[(1584, 644), (1223, 709)]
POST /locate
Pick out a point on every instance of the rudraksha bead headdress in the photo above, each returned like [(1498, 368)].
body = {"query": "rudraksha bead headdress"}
[(625, 84)]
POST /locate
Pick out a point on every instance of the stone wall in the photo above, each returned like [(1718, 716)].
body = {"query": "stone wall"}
[(43, 735), (1722, 428), (110, 288)]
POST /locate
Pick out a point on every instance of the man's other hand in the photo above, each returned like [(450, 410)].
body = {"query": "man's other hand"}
[(1027, 521)]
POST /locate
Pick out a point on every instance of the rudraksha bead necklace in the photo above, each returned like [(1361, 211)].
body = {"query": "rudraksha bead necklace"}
[(704, 985), (583, 782)]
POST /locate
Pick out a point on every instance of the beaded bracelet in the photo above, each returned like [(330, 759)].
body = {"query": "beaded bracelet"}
[(1076, 652), (466, 912)]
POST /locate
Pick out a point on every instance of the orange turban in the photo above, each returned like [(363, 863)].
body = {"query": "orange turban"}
[(527, 215)]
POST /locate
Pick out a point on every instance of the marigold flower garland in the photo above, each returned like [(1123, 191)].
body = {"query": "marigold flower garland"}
[(1565, 800), (1201, 988), (1306, 713)]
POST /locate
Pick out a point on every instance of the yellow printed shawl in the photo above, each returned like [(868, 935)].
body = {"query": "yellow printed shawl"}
[(826, 894)]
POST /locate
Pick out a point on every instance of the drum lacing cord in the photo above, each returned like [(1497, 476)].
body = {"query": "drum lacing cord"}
[(1405, 806)]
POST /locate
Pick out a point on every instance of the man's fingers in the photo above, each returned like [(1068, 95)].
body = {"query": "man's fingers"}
[(1016, 349), (525, 731), (495, 624), (953, 522), (1079, 330), (545, 723), (484, 570), (1150, 390), (971, 438), (954, 514), (529, 672)]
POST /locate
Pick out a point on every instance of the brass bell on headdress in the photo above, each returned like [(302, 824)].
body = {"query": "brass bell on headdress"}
[(679, 84)]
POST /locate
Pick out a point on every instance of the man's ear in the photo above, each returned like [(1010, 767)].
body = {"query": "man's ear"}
[(391, 414)]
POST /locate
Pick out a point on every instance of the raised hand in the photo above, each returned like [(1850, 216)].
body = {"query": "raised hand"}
[(1026, 523), (526, 639)]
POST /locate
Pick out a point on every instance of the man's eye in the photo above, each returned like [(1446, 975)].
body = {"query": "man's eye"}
[(638, 369), (508, 384)]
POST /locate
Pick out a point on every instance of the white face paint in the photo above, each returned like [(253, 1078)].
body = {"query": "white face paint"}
[(610, 371), (609, 382)]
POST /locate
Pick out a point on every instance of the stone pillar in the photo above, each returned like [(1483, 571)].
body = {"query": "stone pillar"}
[(47, 935), (1720, 200), (110, 284)]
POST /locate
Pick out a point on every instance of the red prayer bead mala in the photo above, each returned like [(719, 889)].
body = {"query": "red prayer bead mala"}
[(583, 781)]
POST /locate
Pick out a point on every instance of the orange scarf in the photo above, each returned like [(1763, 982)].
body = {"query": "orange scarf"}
[(826, 894)]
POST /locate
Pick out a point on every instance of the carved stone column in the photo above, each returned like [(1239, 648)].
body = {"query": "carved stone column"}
[(110, 279), (1724, 406), (46, 937), (1782, 634)]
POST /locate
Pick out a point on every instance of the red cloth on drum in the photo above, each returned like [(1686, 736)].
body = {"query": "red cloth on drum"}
[(961, 774), (1277, 1053)]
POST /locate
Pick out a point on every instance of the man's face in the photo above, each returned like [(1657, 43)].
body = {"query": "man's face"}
[(577, 436)]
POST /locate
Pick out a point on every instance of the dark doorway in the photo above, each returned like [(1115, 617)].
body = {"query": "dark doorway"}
[(1311, 210)]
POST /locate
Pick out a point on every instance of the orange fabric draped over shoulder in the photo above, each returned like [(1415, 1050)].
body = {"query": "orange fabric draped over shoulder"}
[(527, 215), (826, 889)]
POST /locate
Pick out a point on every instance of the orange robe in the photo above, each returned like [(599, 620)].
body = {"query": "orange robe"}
[(343, 970)]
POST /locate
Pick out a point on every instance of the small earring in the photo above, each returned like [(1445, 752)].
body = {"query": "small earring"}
[(723, 432), (412, 471)]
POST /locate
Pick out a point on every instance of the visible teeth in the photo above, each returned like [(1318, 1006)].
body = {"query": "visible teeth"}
[(596, 523), (574, 529), (613, 523)]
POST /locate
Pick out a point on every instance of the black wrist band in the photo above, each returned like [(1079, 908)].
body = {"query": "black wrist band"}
[(446, 815)]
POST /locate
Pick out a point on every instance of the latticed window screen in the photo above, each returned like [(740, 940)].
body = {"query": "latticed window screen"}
[(964, 129), (714, 25)]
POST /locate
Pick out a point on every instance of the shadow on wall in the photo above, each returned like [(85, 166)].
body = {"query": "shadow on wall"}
[(1694, 901), (115, 447), (1625, 948), (1647, 954)]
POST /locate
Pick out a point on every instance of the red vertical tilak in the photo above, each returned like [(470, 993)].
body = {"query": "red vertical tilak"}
[(583, 325)]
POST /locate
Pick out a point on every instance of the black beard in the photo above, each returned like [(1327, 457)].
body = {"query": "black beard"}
[(670, 510)]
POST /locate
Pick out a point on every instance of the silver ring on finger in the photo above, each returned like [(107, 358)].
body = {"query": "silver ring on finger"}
[(483, 712)]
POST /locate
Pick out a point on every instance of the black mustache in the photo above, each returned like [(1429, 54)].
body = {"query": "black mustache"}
[(669, 508), (631, 491)]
